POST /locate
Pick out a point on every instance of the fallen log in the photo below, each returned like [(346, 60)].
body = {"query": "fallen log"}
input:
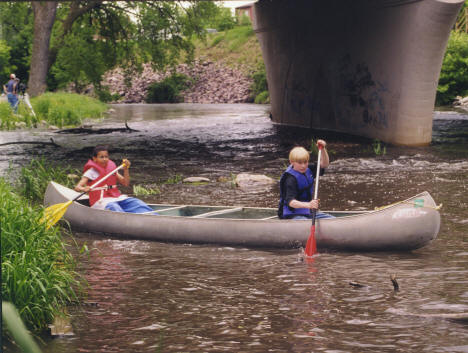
[(31, 143), (85, 130)]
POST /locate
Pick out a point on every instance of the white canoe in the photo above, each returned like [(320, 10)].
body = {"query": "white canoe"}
[(406, 225)]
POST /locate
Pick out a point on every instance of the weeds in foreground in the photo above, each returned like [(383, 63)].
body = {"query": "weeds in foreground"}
[(33, 178), (140, 190), (38, 273)]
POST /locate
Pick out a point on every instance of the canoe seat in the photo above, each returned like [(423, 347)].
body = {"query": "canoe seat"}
[(213, 213)]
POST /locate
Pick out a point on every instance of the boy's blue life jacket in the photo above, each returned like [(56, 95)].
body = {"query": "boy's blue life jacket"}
[(305, 182)]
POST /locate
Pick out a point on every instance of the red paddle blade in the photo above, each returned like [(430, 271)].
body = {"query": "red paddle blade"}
[(311, 246)]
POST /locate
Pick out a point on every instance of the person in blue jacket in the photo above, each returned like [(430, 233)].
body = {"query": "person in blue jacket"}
[(297, 185)]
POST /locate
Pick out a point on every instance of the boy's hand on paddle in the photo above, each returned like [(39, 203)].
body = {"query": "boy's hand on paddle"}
[(127, 163), (314, 204), (321, 143)]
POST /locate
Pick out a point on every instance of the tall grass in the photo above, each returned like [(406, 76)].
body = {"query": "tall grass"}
[(59, 109), (67, 109), (38, 273), (10, 121), (33, 178)]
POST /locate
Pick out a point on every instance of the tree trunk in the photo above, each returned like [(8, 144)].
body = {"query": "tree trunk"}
[(44, 17)]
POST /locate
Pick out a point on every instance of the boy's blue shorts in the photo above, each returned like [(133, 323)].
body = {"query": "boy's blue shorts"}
[(130, 205)]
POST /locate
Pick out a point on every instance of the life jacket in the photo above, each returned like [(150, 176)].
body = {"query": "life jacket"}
[(305, 182), (96, 195)]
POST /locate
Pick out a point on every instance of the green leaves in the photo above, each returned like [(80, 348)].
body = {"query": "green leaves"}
[(453, 79), (37, 271)]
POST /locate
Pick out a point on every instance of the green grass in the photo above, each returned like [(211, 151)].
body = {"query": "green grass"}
[(33, 178), (59, 109), (139, 190), (237, 48), (38, 273)]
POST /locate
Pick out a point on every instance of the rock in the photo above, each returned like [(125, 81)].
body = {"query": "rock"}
[(196, 180), (212, 83), (252, 181)]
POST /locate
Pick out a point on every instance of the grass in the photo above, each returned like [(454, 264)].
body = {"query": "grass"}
[(139, 190), (237, 48), (38, 273), (33, 178), (59, 109)]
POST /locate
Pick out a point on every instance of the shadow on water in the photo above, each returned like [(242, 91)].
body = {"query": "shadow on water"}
[(154, 296)]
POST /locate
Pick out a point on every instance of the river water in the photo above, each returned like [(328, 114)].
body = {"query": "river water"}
[(158, 297)]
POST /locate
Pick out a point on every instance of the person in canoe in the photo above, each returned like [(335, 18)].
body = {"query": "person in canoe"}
[(297, 185), (107, 196)]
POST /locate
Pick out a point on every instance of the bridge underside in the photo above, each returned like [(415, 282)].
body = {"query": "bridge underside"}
[(363, 67)]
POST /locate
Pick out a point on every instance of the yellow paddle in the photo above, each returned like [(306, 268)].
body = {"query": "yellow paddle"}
[(52, 214)]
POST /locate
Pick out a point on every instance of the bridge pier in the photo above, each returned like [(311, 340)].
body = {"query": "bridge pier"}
[(363, 67)]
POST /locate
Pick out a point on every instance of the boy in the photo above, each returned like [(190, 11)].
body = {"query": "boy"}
[(296, 185), (109, 199)]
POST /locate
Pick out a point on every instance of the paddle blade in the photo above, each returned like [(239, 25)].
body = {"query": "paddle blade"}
[(311, 246), (52, 214)]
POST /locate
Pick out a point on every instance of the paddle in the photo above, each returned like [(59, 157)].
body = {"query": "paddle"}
[(52, 214), (311, 246)]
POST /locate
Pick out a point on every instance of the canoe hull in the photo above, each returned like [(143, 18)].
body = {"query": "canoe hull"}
[(403, 226)]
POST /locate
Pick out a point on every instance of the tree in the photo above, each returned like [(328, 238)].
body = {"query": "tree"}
[(80, 40)]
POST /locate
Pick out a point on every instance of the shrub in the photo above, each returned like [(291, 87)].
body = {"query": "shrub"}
[(262, 98), (168, 90), (453, 79)]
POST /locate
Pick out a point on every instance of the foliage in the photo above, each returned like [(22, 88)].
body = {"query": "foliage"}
[(140, 190), (38, 273), (10, 121), (15, 325), (168, 90), (237, 48), (65, 109), (5, 68), (453, 79), (379, 148), (262, 98), (259, 86), (90, 38), (33, 178), (16, 29)]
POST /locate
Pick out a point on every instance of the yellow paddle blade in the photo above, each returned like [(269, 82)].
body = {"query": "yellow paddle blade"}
[(52, 214)]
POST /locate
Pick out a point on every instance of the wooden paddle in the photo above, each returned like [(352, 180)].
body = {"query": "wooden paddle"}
[(52, 214), (311, 246)]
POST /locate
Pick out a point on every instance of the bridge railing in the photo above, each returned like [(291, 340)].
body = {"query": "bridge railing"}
[(462, 21)]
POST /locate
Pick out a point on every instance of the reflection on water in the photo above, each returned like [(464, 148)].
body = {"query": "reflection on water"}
[(156, 297)]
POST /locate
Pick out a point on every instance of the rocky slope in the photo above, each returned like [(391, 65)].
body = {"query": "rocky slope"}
[(213, 83)]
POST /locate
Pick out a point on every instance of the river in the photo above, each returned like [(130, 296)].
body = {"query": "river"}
[(159, 297)]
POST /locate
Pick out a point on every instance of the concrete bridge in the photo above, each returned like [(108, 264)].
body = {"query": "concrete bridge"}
[(363, 67)]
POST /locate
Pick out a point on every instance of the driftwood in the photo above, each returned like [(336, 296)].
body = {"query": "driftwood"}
[(83, 130), (31, 143)]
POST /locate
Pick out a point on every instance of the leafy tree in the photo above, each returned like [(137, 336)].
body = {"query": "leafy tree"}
[(78, 41), (16, 32), (453, 79)]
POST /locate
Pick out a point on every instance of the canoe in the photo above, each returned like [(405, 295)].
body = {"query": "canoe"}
[(406, 225)]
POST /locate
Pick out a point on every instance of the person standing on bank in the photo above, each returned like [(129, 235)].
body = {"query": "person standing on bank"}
[(297, 182), (109, 199), (11, 90)]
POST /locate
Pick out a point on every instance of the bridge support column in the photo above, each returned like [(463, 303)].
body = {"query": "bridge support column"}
[(363, 67)]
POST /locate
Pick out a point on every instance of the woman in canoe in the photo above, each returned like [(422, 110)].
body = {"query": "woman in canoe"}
[(296, 185), (107, 196)]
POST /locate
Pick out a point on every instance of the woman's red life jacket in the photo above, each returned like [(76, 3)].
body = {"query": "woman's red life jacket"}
[(95, 196)]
